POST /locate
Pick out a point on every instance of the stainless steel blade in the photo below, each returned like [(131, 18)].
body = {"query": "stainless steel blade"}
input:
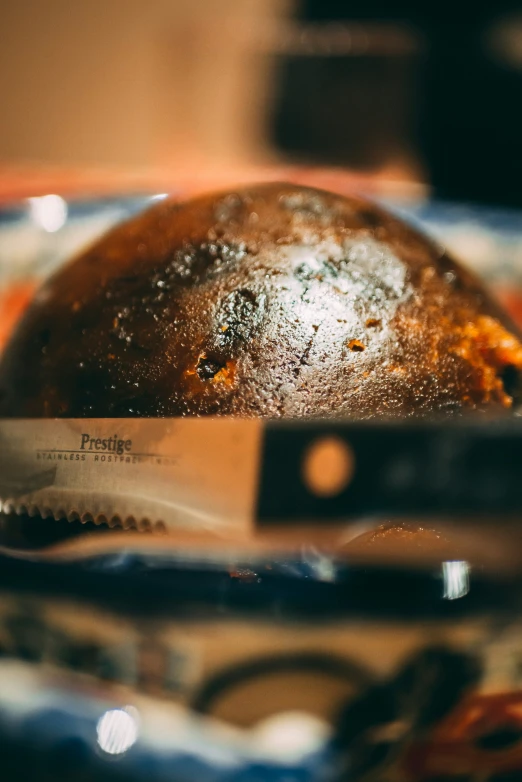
[(197, 474)]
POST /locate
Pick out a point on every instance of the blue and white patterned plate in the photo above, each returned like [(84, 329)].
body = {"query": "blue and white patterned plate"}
[(40, 233)]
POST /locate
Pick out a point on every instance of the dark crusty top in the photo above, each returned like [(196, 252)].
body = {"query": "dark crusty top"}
[(272, 300)]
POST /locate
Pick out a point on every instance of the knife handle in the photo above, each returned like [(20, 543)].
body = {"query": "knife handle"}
[(333, 471)]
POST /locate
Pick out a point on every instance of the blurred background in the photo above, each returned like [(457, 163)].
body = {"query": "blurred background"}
[(408, 91)]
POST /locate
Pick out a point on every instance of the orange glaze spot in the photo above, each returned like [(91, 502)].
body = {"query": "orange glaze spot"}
[(226, 375), (488, 347), (193, 382)]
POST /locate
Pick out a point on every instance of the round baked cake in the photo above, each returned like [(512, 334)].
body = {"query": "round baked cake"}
[(272, 300)]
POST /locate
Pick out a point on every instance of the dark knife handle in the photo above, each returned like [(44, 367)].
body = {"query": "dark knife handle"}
[(389, 469)]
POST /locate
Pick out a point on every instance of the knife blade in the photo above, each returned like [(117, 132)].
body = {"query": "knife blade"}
[(236, 477)]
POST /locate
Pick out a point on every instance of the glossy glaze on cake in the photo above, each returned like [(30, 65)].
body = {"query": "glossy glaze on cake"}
[(272, 300)]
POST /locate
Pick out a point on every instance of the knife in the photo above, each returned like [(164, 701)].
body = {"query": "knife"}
[(236, 478)]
